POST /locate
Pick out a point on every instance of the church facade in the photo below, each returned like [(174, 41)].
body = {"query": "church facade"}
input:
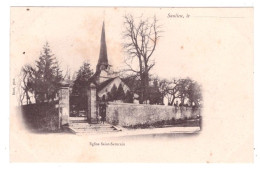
[(105, 78), (101, 84)]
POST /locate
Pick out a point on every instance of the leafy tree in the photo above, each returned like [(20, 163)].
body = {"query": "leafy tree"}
[(120, 94), (129, 98), (83, 74), (134, 83), (155, 96), (109, 97), (42, 81), (45, 78), (113, 92), (79, 86), (194, 93), (182, 89)]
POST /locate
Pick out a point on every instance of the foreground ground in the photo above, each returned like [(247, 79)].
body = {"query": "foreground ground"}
[(108, 130)]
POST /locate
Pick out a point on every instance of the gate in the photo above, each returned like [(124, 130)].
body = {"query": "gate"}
[(102, 105), (78, 108)]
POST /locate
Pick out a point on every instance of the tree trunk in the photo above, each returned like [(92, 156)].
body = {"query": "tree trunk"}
[(182, 99), (27, 97), (141, 99), (146, 83), (173, 98)]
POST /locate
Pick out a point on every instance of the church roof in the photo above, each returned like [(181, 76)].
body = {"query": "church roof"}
[(105, 83), (103, 48), (102, 57)]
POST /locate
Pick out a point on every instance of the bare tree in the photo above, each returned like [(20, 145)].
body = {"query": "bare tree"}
[(169, 89), (141, 37), (20, 90), (186, 90), (27, 82)]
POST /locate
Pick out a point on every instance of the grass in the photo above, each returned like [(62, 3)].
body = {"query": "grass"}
[(185, 122)]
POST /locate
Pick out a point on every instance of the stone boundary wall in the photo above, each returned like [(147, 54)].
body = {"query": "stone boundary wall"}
[(126, 114)]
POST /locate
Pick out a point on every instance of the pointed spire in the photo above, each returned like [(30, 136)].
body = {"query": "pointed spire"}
[(103, 49)]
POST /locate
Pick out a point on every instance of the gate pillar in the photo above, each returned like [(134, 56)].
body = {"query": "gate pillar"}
[(91, 103), (64, 104)]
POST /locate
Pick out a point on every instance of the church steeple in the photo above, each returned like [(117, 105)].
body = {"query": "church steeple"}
[(102, 61)]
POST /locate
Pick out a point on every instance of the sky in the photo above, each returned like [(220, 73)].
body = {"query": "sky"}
[(186, 47)]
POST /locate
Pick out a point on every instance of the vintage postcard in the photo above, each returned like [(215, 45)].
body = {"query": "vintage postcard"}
[(114, 84)]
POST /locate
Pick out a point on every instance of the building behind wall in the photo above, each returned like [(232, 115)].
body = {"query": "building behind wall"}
[(105, 78)]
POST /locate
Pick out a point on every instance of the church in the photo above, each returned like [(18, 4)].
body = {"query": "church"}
[(98, 90), (103, 82), (105, 78)]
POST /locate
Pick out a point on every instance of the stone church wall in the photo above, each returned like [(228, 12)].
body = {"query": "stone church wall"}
[(125, 114)]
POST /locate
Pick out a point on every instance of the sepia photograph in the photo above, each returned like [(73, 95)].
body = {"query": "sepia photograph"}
[(129, 84)]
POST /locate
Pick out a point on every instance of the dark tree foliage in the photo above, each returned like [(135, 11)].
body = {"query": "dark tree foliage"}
[(134, 83), (128, 97), (43, 80), (120, 94), (182, 87), (155, 96), (194, 93), (109, 97), (79, 87), (83, 74), (113, 92)]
